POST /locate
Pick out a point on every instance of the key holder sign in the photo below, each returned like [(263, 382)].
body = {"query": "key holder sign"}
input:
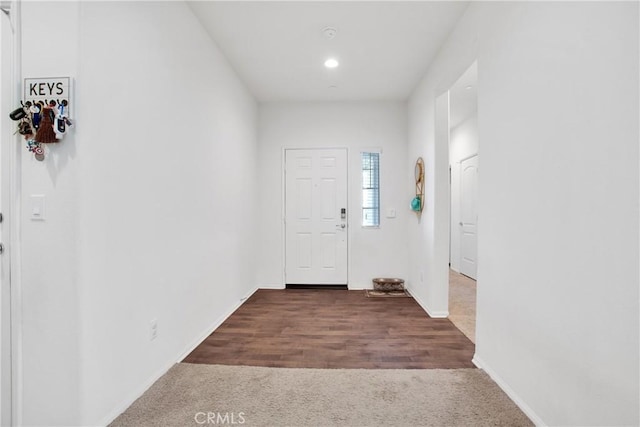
[(44, 113), (46, 89)]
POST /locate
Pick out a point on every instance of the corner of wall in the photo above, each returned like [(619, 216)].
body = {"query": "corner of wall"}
[(436, 314), (528, 411)]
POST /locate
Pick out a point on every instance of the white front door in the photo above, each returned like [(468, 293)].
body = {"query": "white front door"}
[(469, 216), (316, 225)]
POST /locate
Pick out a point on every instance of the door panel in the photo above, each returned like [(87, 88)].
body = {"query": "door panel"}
[(315, 233), (328, 196), (469, 216), (303, 248), (303, 198), (328, 244)]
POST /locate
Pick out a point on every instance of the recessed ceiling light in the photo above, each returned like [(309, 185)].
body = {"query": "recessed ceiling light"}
[(331, 63), (468, 87), (333, 87)]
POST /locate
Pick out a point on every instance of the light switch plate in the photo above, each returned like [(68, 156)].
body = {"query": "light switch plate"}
[(391, 213), (37, 207)]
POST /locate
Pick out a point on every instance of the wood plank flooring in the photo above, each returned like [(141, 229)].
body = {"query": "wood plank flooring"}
[(304, 328)]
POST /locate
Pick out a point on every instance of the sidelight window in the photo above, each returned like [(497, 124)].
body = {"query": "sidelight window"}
[(370, 189)]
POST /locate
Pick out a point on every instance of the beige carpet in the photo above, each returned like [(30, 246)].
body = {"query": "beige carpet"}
[(462, 304), (254, 396)]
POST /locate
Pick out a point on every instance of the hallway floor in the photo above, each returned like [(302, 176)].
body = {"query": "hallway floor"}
[(334, 329), (462, 303)]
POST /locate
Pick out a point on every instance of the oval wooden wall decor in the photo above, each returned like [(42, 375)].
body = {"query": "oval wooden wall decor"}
[(418, 202)]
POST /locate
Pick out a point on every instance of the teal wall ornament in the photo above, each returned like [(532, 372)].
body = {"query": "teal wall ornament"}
[(417, 203)]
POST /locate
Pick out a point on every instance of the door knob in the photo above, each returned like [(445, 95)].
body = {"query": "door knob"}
[(341, 225), (460, 223)]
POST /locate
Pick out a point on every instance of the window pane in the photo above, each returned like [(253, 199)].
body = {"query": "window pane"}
[(370, 189), (370, 199), (369, 218)]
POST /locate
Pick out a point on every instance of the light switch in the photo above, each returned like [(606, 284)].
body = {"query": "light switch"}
[(391, 213), (37, 207)]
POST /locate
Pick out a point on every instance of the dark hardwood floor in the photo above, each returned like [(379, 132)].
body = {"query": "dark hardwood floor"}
[(308, 328)]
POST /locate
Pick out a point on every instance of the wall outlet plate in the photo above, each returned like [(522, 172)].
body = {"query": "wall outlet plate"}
[(37, 207)]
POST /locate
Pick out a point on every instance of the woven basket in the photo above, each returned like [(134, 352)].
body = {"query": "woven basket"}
[(387, 284)]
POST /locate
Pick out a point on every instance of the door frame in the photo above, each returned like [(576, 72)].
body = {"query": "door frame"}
[(283, 207), (10, 182)]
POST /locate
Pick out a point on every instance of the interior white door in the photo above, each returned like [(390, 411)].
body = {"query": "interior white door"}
[(469, 216), (316, 226)]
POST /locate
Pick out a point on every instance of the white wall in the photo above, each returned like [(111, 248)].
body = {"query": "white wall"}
[(558, 311), (146, 204), (49, 289), (463, 143), (356, 126)]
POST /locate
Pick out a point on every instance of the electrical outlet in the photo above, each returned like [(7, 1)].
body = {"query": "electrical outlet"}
[(153, 329)]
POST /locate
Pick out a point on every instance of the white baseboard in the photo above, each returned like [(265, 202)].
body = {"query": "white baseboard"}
[(119, 409), (434, 314), (278, 286), (219, 321), (508, 391)]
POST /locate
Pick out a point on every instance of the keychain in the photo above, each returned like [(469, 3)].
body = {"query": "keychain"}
[(24, 128), (39, 154), (62, 122), (35, 110), (34, 147), (46, 134), (41, 123)]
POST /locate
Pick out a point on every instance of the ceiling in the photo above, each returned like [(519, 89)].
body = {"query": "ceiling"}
[(463, 96), (278, 48)]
